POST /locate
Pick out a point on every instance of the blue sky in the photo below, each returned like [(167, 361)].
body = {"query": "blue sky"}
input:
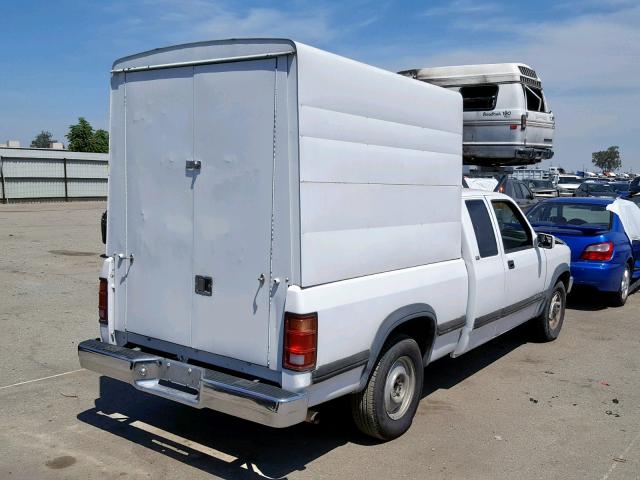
[(56, 56)]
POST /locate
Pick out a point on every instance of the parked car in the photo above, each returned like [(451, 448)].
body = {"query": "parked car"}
[(542, 188), (634, 186), (517, 190), (595, 189), (262, 280), (602, 255), (568, 184)]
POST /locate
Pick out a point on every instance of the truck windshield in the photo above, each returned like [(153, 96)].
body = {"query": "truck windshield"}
[(620, 186), (571, 214), (540, 184), (601, 188), (569, 180)]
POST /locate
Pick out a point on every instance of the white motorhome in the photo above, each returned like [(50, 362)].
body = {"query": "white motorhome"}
[(273, 240), (507, 120)]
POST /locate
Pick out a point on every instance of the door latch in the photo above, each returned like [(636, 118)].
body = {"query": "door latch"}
[(204, 285), (193, 165), (122, 256), (511, 264)]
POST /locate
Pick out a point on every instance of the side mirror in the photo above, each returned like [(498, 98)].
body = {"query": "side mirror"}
[(546, 241)]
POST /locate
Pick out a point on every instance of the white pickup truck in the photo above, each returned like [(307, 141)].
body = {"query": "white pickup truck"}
[(287, 226)]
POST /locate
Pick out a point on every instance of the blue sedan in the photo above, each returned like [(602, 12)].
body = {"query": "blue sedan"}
[(602, 255)]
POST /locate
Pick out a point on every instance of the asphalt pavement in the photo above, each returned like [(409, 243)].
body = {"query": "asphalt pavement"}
[(513, 408)]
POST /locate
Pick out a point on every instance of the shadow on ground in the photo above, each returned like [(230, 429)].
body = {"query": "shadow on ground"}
[(589, 299), (232, 448)]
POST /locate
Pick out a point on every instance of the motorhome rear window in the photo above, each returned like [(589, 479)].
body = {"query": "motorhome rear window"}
[(479, 97), (535, 99)]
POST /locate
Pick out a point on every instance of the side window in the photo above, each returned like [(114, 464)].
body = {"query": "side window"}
[(479, 97), (535, 99), (514, 230), (482, 227)]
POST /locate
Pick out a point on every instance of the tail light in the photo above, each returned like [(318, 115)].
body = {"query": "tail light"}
[(523, 122), (599, 252), (300, 341), (513, 126), (103, 308)]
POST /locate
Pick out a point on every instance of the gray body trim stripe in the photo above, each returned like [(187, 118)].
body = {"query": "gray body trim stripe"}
[(503, 312), (343, 365), (451, 325)]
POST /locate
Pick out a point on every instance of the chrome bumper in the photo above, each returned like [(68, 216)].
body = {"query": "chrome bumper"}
[(251, 400)]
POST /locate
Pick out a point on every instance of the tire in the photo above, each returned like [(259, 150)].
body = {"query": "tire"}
[(386, 407), (619, 298), (549, 323)]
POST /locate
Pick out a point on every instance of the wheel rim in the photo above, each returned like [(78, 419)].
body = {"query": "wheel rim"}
[(399, 387), (624, 284), (555, 310)]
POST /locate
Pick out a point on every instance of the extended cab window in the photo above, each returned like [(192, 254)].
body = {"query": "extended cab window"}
[(515, 232), (482, 227), (480, 97)]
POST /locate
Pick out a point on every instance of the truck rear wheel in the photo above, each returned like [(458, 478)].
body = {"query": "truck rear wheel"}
[(386, 407), (549, 323)]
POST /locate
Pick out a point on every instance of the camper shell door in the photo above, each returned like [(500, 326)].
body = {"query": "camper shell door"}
[(194, 170)]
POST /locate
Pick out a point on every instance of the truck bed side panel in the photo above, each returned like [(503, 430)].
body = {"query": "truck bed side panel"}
[(350, 312), (379, 177)]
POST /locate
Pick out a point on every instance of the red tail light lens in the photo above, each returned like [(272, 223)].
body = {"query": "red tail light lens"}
[(103, 308), (513, 126), (300, 341), (599, 252)]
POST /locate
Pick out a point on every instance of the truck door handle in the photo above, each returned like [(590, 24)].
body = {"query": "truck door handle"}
[(511, 264)]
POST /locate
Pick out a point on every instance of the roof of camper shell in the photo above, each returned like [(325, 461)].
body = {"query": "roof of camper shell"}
[(475, 74)]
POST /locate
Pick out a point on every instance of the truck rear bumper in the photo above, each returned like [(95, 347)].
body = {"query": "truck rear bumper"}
[(506, 154), (195, 386)]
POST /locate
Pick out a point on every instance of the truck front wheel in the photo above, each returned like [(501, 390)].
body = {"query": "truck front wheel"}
[(549, 323), (386, 407)]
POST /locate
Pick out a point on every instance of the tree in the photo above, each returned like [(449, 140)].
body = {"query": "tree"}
[(607, 160), (42, 140), (101, 141), (82, 138)]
